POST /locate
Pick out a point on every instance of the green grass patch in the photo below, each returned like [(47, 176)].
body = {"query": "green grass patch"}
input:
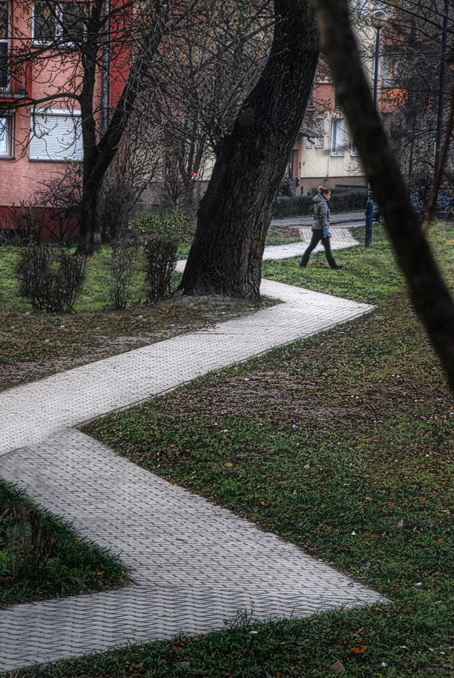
[(284, 235), (36, 344), (369, 275), (41, 556), (341, 444)]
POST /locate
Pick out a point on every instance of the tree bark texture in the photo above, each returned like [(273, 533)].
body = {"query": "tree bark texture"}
[(235, 213), (428, 290)]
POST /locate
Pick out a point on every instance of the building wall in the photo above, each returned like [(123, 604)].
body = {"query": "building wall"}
[(21, 177)]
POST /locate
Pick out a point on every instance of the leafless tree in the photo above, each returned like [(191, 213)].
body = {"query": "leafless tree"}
[(70, 48), (200, 80), (235, 212), (137, 162), (418, 74), (429, 293)]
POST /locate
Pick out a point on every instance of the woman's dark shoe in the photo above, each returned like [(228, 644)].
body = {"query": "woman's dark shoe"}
[(337, 268), (303, 264)]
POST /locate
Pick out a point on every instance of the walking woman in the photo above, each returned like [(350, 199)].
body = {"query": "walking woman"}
[(320, 229)]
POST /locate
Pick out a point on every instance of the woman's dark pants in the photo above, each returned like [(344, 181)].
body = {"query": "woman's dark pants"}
[(318, 236)]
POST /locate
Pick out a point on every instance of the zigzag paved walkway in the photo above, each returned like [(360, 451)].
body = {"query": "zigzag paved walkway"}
[(194, 564)]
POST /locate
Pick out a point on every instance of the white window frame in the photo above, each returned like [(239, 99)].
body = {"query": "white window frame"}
[(7, 41), (6, 151), (58, 25), (320, 127), (337, 148), (35, 134)]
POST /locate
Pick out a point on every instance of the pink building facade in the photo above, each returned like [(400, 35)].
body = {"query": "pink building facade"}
[(40, 132)]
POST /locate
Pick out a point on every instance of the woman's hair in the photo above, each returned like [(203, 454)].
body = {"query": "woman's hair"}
[(323, 190)]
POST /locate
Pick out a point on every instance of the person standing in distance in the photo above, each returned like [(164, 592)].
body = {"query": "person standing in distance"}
[(320, 228)]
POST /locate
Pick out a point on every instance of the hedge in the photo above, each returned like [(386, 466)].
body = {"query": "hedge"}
[(302, 205)]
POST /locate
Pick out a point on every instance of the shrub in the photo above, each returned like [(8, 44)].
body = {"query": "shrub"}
[(348, 200), (286, 188), (50, 277), (161, 259), (292, 207), (342, 200), (121, 265), (165, 225)]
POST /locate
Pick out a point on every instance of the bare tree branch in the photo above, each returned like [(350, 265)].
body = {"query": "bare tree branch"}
[(428, 290)]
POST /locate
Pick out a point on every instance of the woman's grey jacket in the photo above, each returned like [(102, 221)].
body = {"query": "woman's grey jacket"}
[(321, 213)]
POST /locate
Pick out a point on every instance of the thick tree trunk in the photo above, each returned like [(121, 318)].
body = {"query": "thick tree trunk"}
[(235, 212), (428, 291)]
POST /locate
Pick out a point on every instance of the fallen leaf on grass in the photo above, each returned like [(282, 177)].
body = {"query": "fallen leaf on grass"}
[(229, 465), (337, 667), (400, 524), (358, 650)]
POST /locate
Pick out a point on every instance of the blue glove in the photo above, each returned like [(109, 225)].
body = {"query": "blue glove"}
[(326, 233)]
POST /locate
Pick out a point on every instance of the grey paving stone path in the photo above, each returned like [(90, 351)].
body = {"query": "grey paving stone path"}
[(340, 239), (194, 564)]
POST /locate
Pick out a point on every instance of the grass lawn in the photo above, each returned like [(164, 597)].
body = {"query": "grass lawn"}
[(41, 556), (277, 235), (343, 445), (36, 344), (282, 235)]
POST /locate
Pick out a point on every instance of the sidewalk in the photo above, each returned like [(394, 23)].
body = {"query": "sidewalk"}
[(194, 564)]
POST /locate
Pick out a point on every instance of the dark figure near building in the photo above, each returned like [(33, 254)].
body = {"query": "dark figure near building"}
[(320, 229)]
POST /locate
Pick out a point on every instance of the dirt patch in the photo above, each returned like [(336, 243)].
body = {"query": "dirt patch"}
[(267, 395), (36, 345)]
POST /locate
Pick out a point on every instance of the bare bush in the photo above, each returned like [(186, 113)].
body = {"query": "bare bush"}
[(161, 260), (121, 265), (50, 277)]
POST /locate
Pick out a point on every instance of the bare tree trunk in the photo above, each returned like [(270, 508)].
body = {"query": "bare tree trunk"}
[(428, 291), (235, 212)]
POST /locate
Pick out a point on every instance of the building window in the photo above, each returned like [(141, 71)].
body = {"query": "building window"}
[(56, 135), (353, 149), (320, 127), (4, 43), (311, 101), (361, 8), (6, 136), (58, 22), (337, 136), (387, 71)]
